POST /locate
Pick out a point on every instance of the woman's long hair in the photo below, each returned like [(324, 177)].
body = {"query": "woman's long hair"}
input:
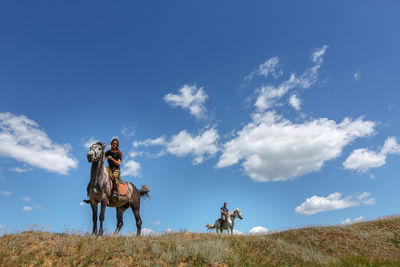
[(119, 151)]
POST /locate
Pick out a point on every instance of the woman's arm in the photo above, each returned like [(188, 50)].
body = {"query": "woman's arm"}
[(117, 162)]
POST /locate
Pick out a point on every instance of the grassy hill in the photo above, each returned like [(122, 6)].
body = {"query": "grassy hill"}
[(373, 243)]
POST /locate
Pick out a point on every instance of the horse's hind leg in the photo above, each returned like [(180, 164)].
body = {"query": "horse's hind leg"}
[(94, 217), (135, 209), (120, 219)]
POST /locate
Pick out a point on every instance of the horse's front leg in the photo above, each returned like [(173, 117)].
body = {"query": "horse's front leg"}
[(102, 212), (94, 217)]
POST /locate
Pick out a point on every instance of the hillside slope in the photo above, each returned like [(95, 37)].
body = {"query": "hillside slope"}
[(373, 243)]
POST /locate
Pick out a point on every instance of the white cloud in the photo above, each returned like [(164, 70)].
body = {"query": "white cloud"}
[(269, 94), (318, 54), (201, 146), (334, 201), (237, 232), (295, 102), (361, 160), (160, 141), (268, 67), (130, 167), (275, 149), (258, 230), (27, 208), (90, 142), (191, 98), (5, 193), (19, 169), (26, 199), (134, 154), (349, 221), (128, 131), (82, 203), (147, 232), (23, 140), (357, 75), (391, 146), (169, 230), (2, 227), (366, 199), (157, 222)]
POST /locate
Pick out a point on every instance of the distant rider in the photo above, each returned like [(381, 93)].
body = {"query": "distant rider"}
[(224, 213), (114, 158)]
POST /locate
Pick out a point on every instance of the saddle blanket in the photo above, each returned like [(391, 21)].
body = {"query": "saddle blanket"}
[(123, 188)]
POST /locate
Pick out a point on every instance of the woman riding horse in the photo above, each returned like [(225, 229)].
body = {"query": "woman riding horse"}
[(114, 158)]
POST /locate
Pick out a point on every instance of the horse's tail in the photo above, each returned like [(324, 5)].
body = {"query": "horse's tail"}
[(209, 226), (144, 192)]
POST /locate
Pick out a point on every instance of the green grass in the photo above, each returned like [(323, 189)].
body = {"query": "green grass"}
[(374, 243)]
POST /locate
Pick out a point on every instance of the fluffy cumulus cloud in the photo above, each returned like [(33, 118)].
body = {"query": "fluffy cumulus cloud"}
[(258, 230), (361, 160), (22, 139), (270, 66), (90, 142), (130, 167), (237, 232), (190, 98), (350, 221), (268, 95), (201, 147), (334, 201), (275, 149)]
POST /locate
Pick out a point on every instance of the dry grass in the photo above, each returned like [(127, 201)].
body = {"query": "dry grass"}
[(374, 243)]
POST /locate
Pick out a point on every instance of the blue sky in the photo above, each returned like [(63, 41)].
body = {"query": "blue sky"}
[(287, 110)]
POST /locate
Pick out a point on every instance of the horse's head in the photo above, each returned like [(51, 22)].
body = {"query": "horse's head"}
[(96, 152), (238, 213)]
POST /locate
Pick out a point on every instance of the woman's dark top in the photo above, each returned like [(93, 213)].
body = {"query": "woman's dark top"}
[(114, 155)]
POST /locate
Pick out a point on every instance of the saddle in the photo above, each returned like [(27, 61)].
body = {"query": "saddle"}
[(122, 185), (222, 222), (123, 188)]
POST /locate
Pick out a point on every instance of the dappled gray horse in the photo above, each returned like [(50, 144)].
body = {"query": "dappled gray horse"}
[(99, 191), (229, 224)]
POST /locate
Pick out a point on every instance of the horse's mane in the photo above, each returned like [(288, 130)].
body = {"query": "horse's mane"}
[(100, 143)]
